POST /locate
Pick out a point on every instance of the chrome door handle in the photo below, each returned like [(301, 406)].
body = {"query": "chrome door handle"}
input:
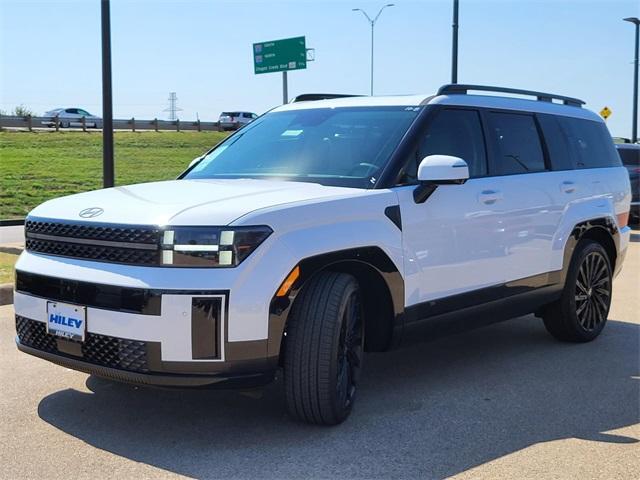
[(489, 197), (568, 187)]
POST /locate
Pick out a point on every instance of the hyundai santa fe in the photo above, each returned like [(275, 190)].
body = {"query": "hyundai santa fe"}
[(328, 228)]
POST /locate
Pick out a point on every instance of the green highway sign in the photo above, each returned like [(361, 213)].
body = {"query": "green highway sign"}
[(280, 55)]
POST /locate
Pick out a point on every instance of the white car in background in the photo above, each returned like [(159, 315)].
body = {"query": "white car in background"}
[(71, 117), (235, 120)]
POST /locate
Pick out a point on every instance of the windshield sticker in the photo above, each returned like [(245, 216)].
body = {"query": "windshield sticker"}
[(204, 163), (291, 133)]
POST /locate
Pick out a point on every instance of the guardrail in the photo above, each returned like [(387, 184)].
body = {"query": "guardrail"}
[(30, 123)]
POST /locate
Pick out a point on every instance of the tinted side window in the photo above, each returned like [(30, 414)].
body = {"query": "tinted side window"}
[(517, 142), (589, 142), (457, 133), (556, 142)]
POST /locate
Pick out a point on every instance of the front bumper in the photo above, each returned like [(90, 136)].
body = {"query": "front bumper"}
[(152, 336), (158, 379), (139, 362)]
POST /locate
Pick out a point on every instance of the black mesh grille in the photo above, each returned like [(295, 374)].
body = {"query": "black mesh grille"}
[(61, 242), (94, 252), (111, 352), (112, 233), (34, 334)]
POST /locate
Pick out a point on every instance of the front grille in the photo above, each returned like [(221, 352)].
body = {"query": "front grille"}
[(98, 253), (131, 245), (34, 335), (103, 350), (112, 233)]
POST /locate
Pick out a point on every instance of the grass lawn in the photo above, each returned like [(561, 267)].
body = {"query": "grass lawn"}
[(35, 167), (7, 261)]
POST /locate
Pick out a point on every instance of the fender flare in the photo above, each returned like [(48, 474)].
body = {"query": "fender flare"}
[(372, 256), (602, 224)]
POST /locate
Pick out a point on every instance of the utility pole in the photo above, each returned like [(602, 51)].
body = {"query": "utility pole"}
[(454, 44), (373, 24), (634, 128), (108, 176)]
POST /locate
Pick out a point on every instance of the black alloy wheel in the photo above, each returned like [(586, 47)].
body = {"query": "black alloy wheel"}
[(350, 350), (581, 312), (593, 291)]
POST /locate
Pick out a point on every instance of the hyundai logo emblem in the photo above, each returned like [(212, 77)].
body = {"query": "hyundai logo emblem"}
[(91, 212)]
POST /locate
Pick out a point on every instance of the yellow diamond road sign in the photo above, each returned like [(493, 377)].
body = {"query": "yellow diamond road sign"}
[(605, 112)]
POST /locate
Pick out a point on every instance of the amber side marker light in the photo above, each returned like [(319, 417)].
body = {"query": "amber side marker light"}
[(623, 219), (288, 282)]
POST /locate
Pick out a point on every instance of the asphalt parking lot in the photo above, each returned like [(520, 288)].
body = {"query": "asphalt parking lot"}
[(505, 401)]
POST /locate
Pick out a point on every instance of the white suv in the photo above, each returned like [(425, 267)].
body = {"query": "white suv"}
[(327, 228)]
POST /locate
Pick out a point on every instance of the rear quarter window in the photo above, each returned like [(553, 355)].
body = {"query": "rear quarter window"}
[(589, 143)]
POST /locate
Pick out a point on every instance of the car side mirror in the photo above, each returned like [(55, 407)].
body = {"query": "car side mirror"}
[(437, 170), (443, 169)]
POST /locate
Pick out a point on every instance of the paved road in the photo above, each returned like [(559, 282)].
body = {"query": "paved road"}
[(505, 401), (11, 235)]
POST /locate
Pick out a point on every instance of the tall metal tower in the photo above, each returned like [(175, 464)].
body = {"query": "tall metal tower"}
[(173, 106)]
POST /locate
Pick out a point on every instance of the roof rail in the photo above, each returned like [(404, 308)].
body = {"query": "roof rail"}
[(310, 97), (540, 96)]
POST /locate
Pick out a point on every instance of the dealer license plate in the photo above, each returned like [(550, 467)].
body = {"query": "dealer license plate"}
[(67, 320)]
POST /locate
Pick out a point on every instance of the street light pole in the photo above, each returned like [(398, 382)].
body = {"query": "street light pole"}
[(372, 22), (634, 129), (372, 25), (107, 102), (454, 44)]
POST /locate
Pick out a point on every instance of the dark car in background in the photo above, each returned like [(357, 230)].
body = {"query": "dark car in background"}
[(630, 155)]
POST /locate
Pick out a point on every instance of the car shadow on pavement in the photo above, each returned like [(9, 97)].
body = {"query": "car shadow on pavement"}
[(431, 409)]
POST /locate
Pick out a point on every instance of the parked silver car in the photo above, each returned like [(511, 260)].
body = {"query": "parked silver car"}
[(72, 117), (235, 120)]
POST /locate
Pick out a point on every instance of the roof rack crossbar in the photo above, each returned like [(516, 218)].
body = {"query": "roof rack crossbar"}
[(309, 97), (540, 96)]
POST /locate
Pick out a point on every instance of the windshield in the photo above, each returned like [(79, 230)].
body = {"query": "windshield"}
[(345, 146)]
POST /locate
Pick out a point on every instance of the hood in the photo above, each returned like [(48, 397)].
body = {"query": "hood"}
[(185, 202)]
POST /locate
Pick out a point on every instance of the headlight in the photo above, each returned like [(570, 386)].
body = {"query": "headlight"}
[(210, 246)]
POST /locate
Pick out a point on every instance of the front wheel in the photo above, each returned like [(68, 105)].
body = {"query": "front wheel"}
[(581, 313), (323, 349)]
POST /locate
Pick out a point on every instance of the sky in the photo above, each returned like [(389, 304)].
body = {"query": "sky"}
[(50, 53)]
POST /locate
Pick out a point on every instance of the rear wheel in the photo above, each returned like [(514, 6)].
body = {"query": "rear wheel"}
[(324, 349), (581, 313)]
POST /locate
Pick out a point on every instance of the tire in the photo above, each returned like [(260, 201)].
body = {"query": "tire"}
[(323, 349), (581, 313)]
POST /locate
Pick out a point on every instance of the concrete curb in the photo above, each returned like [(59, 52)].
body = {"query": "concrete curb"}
[(11, 250), (6, 294)]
